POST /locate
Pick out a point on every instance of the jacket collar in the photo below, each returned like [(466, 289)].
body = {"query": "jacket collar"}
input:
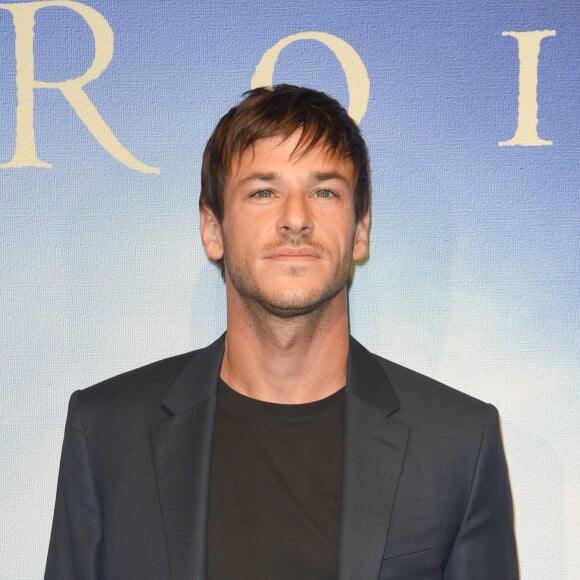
[(198, 380), (366, 378)]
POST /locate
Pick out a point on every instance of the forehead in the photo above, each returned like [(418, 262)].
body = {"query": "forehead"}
[(291, 153)]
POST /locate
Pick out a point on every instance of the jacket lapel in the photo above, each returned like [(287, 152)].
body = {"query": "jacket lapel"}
[(374, 449), (181, 450)]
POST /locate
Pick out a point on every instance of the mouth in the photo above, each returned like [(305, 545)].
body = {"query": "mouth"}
[(304, 253)]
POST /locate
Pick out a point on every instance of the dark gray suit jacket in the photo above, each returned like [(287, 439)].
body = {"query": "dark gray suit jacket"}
[(425, 489)]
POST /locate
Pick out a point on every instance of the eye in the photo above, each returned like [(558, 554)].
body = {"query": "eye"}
[(324, 193), (262, 194)]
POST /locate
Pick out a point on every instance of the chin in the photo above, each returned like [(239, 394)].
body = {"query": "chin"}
[(291, 309), (289, 304), (285, 296)]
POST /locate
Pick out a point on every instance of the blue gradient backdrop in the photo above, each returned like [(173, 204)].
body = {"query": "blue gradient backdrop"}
[(474, 255)]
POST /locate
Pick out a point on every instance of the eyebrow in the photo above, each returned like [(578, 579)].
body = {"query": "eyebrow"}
[(260, 177), (329, 175)]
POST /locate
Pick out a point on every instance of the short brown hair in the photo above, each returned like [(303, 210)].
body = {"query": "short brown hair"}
[(281, 110)]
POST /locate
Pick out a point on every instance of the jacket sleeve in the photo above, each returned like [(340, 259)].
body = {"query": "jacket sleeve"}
[(74, 549), (485, 546)]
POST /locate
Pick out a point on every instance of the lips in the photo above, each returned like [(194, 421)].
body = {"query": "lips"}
[(290, 253)]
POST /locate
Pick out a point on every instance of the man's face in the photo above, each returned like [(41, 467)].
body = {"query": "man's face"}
[(289, 234)]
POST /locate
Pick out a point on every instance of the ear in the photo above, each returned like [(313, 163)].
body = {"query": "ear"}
[(360, 248), (211, 233)]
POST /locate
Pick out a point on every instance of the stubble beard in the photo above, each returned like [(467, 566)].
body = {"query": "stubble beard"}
[(285, 304)]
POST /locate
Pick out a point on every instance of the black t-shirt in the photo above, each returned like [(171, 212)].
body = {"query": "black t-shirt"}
[(275, 484)]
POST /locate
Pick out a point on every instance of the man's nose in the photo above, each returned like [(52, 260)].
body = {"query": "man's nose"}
[(295, 217)]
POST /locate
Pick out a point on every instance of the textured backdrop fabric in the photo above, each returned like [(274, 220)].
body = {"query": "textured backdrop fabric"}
[(470, 111)]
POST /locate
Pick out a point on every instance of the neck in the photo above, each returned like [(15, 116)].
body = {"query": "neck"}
[(287, 360)]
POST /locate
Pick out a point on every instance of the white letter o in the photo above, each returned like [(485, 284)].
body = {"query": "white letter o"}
[(357, 78)]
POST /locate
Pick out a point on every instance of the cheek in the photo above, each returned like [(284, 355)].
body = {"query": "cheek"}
[(241, 241)]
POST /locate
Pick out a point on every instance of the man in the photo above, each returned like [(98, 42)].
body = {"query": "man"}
[(284, 450)]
